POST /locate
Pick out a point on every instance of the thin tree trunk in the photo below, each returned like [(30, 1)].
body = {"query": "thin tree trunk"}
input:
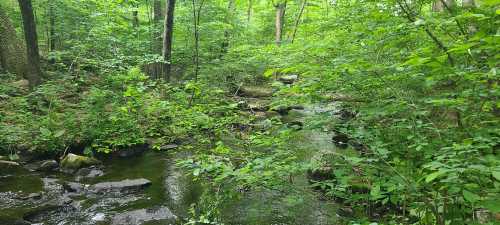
[(227, 33), (167, 38), (196, 58), (280, 14), (296, 27), (135, 18), (52, 30), (249, 11), (33, 66)]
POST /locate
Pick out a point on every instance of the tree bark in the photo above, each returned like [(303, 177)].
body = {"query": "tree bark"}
[(33, 58), (167, 38), (279, 21), (296, 27), (157, 36), (249, 11), (12, 50), (52, 30)]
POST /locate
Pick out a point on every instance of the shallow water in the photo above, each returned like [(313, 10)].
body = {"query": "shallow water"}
[(172, 188)]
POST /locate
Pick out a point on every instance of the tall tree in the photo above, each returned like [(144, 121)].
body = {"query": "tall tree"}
[(167, 38), (12, 51), (33, 58), (157, 18), (279, 21), (249, 11)]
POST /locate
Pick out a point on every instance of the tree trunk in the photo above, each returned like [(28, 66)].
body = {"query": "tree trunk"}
[(280, 14), (12, 50), (157, 18), (135, 18), (227, 33), (52, 30), (167, 38), (296, 27), (249, 11), (33, 63)]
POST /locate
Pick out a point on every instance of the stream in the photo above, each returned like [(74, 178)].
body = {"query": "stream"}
[(56, 198)]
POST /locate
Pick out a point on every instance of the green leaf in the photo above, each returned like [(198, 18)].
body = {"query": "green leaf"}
[(434, 175), (496, 175), (470, 197), (59, 133)]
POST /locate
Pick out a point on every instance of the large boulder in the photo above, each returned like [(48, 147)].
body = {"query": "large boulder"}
[(255, 91), (74, 162), (121, 186)]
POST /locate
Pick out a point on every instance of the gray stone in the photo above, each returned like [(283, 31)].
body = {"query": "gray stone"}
[(73, 187), (46, 165), (162, 215), (91, 172), (289, 79), (121, 186), (99, 217)]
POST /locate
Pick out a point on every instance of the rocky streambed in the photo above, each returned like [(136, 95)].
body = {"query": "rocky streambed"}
[(143, 189)]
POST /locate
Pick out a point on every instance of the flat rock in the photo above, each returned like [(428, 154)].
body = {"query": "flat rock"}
[(162, 215), (8, 163), (90, 172), (121, 186), (46, 165)]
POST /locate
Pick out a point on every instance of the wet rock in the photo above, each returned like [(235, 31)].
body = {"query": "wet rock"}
[(8, 163), (121, 186), (35, 196), (14, 222), (99, 217), (169, 146), (73, 187), (288, 79), (340, 139), (73, 162), (46, 165), (137, 217), (255, 91), (90, 172)]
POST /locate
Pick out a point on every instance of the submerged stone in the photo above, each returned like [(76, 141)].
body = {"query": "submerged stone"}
[(161, 215), (121, 186)]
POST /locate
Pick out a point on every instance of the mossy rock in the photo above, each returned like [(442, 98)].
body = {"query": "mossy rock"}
[(73, 162)]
